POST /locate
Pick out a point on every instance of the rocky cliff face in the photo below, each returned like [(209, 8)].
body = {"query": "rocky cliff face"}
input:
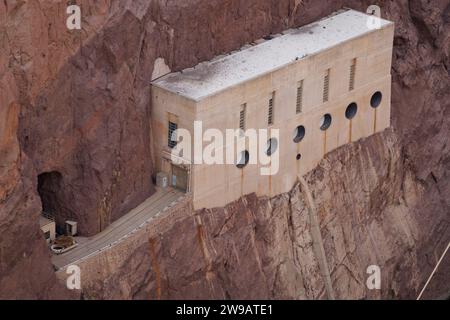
[(264, 248), (76, 104)]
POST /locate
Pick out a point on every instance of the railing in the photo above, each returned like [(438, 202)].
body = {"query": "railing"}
[(48, 216), (154, 225)]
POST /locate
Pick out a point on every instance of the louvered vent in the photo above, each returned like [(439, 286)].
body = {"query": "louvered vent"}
[(242, 117), (351, 85), (299, 105), (326, 86), (270, 112), (172, 127)]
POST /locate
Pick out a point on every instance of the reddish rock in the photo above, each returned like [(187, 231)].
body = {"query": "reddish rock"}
[(263, 248), (78, 103)]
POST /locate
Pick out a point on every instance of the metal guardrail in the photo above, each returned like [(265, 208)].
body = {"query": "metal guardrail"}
[(48, 216), (140, 227)]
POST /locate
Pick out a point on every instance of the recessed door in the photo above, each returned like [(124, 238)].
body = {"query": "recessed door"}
[(179, 178)]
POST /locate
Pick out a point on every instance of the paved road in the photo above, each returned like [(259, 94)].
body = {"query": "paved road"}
[(121, 227)]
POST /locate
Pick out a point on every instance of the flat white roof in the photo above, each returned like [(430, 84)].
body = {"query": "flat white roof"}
[(44, 221), (211, 77)]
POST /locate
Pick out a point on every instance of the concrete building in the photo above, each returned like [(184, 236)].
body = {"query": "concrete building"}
[(48, 227), (322, 85)]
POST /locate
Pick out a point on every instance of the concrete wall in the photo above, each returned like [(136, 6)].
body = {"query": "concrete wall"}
[(48, 226), (97, 268), (217, 185), (166, 105)]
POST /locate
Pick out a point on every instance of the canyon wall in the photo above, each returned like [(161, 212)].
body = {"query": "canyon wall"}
[(261, 248), (77, 103)]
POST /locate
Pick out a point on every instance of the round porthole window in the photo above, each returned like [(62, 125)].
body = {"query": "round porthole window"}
[(376, 99), (244, 158), (351, 111), (325, 122), (299, 134), (272, 146)]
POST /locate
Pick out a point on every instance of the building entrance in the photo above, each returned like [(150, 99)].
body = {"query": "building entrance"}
[(179, 178)]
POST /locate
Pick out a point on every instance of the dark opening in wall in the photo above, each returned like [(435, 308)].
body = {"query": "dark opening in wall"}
[(244, 158), (272, 146), (325, 122), (376, 99), (299, 156), (351, 111), (299, 134), (270, 111), (49, 189), (49, 185), (172, 139)]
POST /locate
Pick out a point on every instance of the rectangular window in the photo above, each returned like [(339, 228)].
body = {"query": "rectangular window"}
[(172, 142), (270, 111), (326, 86), (242, 115), (299, 105), (351, 85)]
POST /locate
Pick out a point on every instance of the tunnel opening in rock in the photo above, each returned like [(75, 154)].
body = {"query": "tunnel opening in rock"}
[(49, 189)]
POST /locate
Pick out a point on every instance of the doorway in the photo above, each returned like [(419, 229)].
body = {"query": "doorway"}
[(179, 178), (49, 189)]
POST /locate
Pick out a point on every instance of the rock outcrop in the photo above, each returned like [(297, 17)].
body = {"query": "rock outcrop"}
[(77, 103), (261, 248)]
